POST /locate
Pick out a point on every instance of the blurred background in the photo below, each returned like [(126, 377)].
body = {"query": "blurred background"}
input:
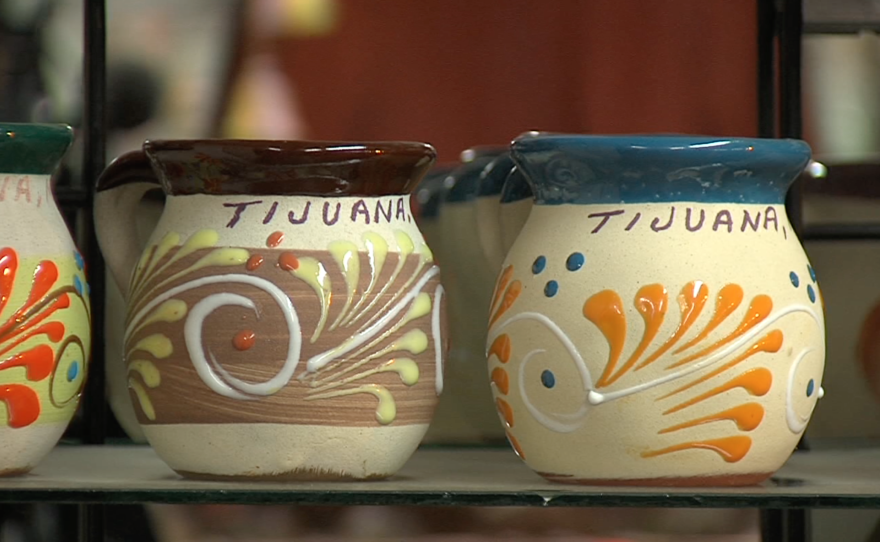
[(458, 73)]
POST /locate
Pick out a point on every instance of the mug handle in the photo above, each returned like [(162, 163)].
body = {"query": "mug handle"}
[(120, 188)]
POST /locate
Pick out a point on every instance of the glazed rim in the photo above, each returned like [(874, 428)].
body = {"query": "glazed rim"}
[(305, 151), (647, 144), (287, 167)]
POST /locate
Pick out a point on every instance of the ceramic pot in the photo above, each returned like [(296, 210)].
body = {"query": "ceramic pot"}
[(44, 304), (488, 210), (286, 319), (657, 320), (514, 206), (147, 216), (466, 414), (428, 197)]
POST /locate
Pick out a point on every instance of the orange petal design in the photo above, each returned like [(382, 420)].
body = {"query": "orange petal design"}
[(505, 410), (605, 311), (651, 302), (501, 380), (507, 301), (691, 301), (503, 279), (747, 418), (771, 342), (500, 348), (759, 309), (729, 298), (731, 449), (755, 381)]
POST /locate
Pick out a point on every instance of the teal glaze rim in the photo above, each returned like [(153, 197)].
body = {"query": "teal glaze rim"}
[(34, 149), (598, 169), (467, 180), (515, 188), (493, 176)]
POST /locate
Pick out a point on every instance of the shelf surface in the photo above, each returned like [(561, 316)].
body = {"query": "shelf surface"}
[(841, 16), (462, 477)]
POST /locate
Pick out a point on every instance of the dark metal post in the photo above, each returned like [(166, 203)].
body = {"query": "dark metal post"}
[(94, 77), (772, 525), (796, 521), (91, 516), (766, 68), (791, 124)]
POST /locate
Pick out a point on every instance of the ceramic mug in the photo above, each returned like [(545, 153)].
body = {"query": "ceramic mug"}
[(286, 320), (514, 206), (45, 315), (657, 320), (488, 210), (466, 414)]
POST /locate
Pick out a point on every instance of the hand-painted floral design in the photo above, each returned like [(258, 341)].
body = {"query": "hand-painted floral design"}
[(702, 357), (34, 336)]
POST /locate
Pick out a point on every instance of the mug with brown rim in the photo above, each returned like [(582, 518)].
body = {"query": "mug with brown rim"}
[(286, 319)]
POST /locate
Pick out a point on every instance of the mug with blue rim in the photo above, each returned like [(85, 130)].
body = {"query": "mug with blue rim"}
[(656, 321)]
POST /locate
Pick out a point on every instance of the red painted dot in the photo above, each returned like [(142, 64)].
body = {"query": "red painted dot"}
[(274, 239), (288, 261), (254, 262), (244, 339)]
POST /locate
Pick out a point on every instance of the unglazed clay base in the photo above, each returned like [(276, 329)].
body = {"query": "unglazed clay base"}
[(21, 449), (284, 452)]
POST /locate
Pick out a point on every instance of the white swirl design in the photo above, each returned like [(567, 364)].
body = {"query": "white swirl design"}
[(795, 421), (438, 340), (596, 398), (221, 381), (318, 361), (551, 421), (218, 378), (212, 374)]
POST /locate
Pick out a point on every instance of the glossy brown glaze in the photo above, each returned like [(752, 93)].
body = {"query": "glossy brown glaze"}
[(130, 167), (287, 168)]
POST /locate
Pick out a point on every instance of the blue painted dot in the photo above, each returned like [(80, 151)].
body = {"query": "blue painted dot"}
[(811, 293), (548, 379), (812, 272), (575, 261), (79, 260), (811, 387), (551, 288), (795, 281), (539, 265), (72, 371), (77, 283)]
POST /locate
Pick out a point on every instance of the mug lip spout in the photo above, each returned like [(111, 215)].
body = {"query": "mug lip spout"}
[(645, 168), (33, 148), (657, 142)]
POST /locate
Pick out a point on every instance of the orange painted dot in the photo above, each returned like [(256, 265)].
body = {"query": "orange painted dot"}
[(501, 380), (515, 444), (244, 339), (505, 410), (254, 262), (274, 239), (288, 261)]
